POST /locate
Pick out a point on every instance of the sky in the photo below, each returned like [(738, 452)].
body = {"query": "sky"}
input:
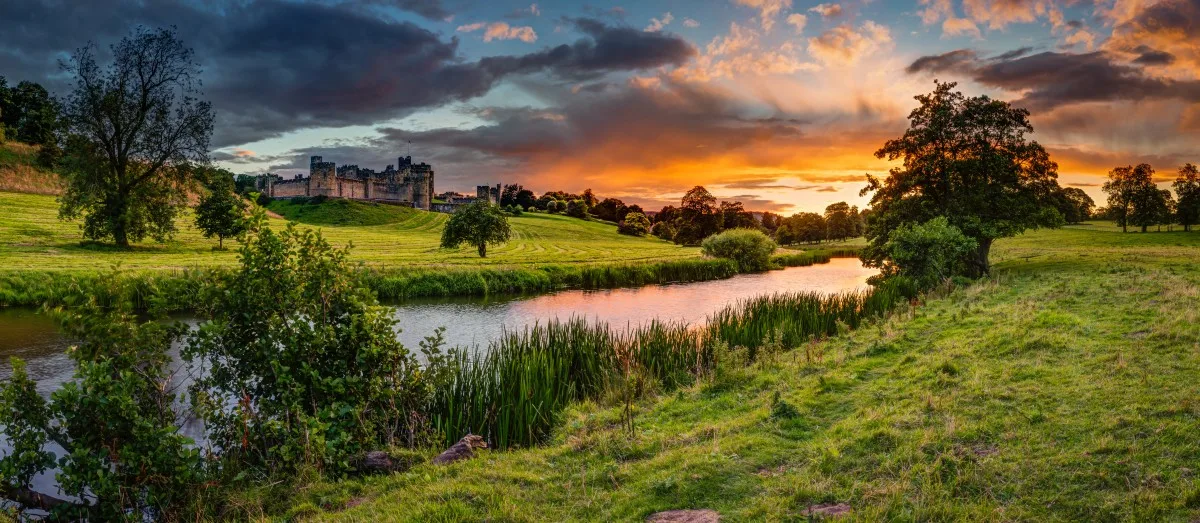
[(777, 103)]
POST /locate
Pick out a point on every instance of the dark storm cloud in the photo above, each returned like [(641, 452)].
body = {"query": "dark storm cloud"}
[(1150, 56), (431, 9), (1015, 53), (275, 66), (1053, 79)]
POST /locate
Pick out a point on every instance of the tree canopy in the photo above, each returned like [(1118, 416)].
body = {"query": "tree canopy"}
[(1187, 188), (969, 160), (137, 126), (221, 212), (479, 224)]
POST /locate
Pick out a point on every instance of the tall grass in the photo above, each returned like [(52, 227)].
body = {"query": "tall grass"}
[(512, 393)]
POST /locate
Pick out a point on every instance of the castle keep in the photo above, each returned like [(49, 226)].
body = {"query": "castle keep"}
[(411, 183)]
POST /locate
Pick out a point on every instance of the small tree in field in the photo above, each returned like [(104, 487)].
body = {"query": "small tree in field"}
[(634, 224), (221, 213), (1187, 190), (135, 127), (478, 224), (928, 253), (969, 160)]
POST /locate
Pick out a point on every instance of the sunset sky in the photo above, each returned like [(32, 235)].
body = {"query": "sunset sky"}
[(777, 103)]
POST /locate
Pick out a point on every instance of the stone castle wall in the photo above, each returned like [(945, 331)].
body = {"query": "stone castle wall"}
[(412, 184)]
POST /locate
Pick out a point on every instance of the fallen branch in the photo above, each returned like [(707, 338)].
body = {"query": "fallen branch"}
[(33, 499)]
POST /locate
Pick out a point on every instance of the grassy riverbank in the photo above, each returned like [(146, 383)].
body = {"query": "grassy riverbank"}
[(1065, 388), (41, 258)]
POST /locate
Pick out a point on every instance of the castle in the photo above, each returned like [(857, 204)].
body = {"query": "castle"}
[(410, 184)]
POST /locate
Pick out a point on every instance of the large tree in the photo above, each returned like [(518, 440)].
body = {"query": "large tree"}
[(29, 114), (1127, 187), (699, 216), (970, 160), (478, 224), (840, 222), (137, 126), (1187, 191)]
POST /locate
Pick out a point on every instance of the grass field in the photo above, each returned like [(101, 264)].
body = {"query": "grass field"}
[(1065, 388), (33, 238)]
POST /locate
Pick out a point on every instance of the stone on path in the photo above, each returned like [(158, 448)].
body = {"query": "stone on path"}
[(827, 509), (685, 516)]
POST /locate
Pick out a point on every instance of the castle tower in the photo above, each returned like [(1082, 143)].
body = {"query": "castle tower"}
[(322, 177)]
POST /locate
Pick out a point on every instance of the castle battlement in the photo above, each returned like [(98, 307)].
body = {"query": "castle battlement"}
[(412, 183)]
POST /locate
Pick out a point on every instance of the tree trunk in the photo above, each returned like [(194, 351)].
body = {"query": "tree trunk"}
[(1143, 228), (121, 223), (982, 266), (483, 250), (36, 500)]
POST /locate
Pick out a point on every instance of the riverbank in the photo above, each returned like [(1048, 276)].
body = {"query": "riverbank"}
[(44, 261), (1064, 388)]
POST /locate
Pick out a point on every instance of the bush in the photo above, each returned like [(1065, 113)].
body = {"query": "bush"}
[(555, 207), (664, 230), (751, 249), (928, 253), (634, 224), (577, 209)]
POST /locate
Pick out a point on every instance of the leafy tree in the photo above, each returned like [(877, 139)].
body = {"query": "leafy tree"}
[(1125, 186), (750, 248), (806, 227), (577, 209), (609, 209), (771, 221), (137, 126), (303, 365), (631, 208), (928, 253), (969, 160), (477, 224), (839, 221), (1073, 204), (221, 212), (1152, 206), (668, 214), (664, 230), (29, 114), (1187, 190), (117, 419), (508, 195), (634, 224), (588, 198), (735, 216), (699, 217), (556, 206), (544, 202), (525, 199)]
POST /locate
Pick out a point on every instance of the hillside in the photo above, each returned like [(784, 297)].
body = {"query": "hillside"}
[(339, 212), (1063, 389), (19, 171), (32, 238)]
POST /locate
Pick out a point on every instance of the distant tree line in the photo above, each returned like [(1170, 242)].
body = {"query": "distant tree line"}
[(1134, 198), (28, 113)]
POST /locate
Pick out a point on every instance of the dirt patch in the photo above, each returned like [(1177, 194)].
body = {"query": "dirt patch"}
[(984, 451), (354, 502), (769, 472), (685, 516), (827, 509)]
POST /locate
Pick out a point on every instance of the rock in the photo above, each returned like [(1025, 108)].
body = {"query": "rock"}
[(464, 449), (685, 516), (827, 509)]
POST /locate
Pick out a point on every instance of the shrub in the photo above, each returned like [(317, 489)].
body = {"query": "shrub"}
[(664, 230), (303, 365), (634, 224), (928, 253), (577, 209), (555, 207), (751, 249)]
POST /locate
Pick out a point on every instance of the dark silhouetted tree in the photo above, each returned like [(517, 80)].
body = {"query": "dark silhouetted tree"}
[(478, 224), (1187, 192), (137, 126), (609, 209), (699, 217), (805, 227), (840, 222), (589, 198), (577, 209), (525, 199), (970, 160), (735, 216)]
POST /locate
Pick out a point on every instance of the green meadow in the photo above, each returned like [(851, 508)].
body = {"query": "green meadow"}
[(33, 238), (1066, 387)]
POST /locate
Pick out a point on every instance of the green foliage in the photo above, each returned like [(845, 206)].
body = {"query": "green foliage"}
[(303, 366), (699, 217), (841, 221), (928, 253), (117, 419), (1134, 198), (479, 224), (1073, 204), (634, 224), (805, 227), (664, 230), (221, 212), (136, 127), (577, 209), (24, 417), (1187, 189), (750, 248), (29, 114), (970, 161)]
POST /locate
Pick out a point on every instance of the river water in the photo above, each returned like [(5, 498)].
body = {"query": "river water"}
[(473, 322)]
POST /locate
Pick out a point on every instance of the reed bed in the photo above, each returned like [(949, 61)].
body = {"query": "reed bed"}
[(513, 393)]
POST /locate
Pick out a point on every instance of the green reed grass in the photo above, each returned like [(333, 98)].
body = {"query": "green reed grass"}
[(512, 393)]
